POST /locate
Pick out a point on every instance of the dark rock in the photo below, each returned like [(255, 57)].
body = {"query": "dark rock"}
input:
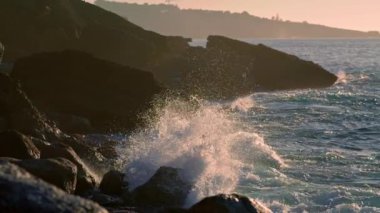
[(113, 183), (71, 124), (85, 179), (228, 203), (84, 150), (108, 151), (107, 94), (2, 49), (106, 200), (3, 124), (59, 172), (14, 144), (19, 112), (103, 144), (228, 68), (22, 192), (165, 188), (172, 210)]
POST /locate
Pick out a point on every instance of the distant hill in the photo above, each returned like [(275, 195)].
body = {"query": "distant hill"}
[(171, 20)]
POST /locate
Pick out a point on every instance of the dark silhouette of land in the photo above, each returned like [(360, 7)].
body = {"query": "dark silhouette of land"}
[(57, 25), (171, 20)]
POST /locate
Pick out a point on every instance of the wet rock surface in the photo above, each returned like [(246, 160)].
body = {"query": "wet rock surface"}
[(58, 171), (85, 178), (228, 203), (22, 192), (20, 114), (165, 188), (113, 183)]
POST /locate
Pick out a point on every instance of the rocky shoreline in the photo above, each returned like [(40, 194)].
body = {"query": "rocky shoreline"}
[(83, 70), (46, 170)]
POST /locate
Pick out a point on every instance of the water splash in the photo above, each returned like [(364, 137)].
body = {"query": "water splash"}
[(342, 77), (204, 140), (243, 104)]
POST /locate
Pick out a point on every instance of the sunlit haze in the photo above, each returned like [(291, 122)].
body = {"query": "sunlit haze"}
[(350, 14)]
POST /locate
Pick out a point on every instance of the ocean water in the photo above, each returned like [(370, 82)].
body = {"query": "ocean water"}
[(295, 151)]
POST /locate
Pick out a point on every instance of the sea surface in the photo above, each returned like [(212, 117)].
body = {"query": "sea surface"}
[(296, 151)]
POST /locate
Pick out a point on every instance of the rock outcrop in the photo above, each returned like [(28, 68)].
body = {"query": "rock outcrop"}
[(57, 171), (72, 82), (165, 188), (85, 178), (229, 68), (22, 192), (15, 145), (18, 112), (228, 203)]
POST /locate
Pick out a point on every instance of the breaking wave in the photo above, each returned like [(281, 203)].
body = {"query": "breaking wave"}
[(211, 146)]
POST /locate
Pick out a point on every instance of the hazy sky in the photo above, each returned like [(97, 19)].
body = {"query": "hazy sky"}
[(351, 14)]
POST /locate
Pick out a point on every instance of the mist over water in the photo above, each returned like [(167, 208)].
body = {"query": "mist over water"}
[(297, 151)]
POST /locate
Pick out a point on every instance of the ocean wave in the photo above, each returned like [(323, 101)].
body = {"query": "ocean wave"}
[(205, 141)]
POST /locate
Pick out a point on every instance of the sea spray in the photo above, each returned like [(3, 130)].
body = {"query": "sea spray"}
[(243, 104), (203, 139)]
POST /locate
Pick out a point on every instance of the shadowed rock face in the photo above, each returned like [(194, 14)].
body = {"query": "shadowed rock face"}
[(18, 112), (108, 94), (112, 183), (22, 192), (228, 203), (15, 145), (85, 179), (165, 188), (57, 171), (2, 48)]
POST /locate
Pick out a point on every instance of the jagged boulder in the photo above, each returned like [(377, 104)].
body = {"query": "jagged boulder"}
[(20, 114), (85, 178), (228, 203), (57, 171), (107, 94), (113, 183), (15, 145), (22, 192), (166, 187)]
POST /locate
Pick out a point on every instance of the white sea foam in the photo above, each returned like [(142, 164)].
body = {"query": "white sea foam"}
[(204, 140), (243, 104), (342, 77)]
